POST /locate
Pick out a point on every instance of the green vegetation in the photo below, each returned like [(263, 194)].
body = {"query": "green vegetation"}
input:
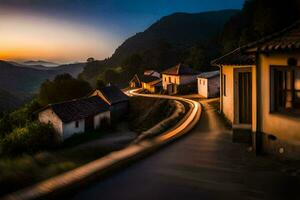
[(64, 87), (257, 19), (142, 119)]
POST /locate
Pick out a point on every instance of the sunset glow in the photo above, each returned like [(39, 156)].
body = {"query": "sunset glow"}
[(26, 37)]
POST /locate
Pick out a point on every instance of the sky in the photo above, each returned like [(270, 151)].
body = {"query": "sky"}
[(66, 31)]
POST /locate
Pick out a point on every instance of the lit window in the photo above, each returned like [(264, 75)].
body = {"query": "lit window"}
[(285, 89)]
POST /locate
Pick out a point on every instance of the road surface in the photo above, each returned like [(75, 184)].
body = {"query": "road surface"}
[(203, 165)]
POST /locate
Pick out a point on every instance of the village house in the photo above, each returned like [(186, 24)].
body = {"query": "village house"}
[(117, 100), (76, 116), (209, 84), (260, 92), (152, 84), (135, 82), (178, 75)]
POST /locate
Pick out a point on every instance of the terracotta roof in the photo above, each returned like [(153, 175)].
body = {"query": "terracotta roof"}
[(208, 75), (287, 39), (113, 94), (79, 109), (148, 79), (180, 69)]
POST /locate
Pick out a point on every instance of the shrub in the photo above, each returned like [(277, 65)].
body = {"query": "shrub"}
[(31, 138)]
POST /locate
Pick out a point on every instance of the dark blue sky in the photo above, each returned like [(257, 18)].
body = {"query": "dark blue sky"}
[(117, 18)]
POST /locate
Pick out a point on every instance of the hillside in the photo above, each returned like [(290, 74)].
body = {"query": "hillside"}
[(8, 101), (180, 37), (179, 29), (23, 81)]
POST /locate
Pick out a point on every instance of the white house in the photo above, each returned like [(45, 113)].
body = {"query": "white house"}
[(76, 116), (117, 100), (209, 84), (178, 75), (260, 92)]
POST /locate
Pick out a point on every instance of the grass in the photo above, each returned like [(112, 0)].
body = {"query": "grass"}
[(147, 112), (23, 170)]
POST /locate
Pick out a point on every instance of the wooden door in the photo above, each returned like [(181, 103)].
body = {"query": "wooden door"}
[(245, 97)]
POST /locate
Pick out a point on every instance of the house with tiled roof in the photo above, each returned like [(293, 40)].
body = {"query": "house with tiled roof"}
[(76, 116), (260, 92), (116, 98), (135, 82), (151, 83), (180, 74)]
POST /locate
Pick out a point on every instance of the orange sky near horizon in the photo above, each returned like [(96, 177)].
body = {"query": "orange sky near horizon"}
[(27, 37)]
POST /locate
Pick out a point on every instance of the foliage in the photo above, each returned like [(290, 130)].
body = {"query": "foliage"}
[(100, 84), (30, 138), (18, 118), (89, 60), (64, 87), (257, 19)]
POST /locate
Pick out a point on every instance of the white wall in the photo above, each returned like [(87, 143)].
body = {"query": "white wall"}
[(166, 80), (70, 128), (48, 116), (178, 80), (203, 87)]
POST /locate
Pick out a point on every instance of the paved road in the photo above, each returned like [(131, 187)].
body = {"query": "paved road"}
[(203, 165)]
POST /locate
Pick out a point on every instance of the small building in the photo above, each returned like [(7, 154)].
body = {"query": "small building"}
[(151, 83), (178, 75), (76, 116), (260, 92), (135, 82), (117, 100), (152, 73), (209, 84)]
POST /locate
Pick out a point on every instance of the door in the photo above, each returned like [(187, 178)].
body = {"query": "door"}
[(244, 97), (89, 123)]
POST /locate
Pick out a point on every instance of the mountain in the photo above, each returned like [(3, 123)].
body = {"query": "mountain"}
[(9, 101), (180, 37), (20, 81), (41, 62)]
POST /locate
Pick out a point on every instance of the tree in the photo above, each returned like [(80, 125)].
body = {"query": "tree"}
[(100, 84), (64, 87), (89, 60)]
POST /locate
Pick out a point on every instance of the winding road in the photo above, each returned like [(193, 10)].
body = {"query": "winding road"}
[(205, 164)]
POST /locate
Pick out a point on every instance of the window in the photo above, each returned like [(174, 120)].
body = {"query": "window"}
[(224, 85), (76, 124), (200, 82), (285, 89), (169, 79), (203, 82)]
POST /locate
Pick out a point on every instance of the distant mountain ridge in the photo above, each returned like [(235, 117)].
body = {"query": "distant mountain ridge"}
[(176, 38), (178, 29), (23, 81), (41, 62)]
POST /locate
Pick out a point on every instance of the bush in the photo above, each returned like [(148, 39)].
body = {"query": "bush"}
[(31, 138)]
